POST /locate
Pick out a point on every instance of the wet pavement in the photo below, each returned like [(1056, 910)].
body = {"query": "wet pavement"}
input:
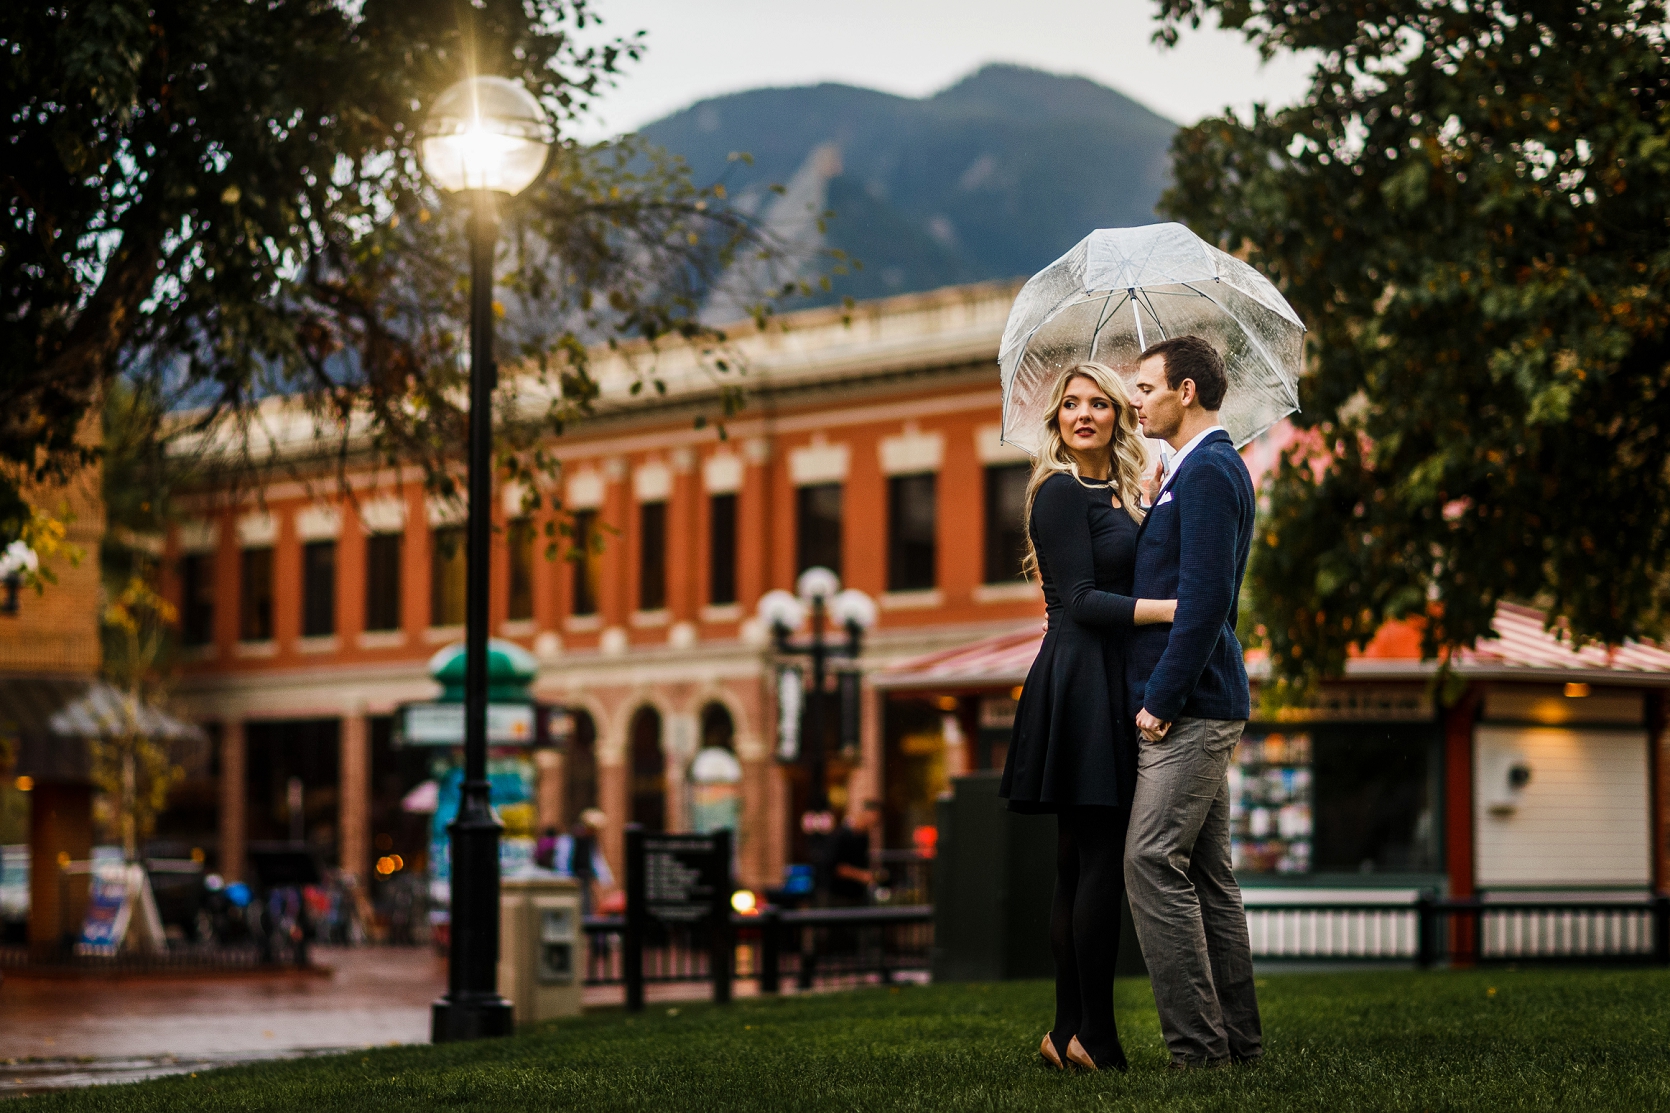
[(63, 1033), (58, 1033)]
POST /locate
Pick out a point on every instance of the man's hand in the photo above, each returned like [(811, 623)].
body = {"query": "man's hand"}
[(1149, 727), (1151, 484)]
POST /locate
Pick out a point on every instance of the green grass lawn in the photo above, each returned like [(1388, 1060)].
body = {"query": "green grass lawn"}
[(1500, 1039)]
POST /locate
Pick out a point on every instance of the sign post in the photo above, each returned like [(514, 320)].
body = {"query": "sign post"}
[(678, 880)]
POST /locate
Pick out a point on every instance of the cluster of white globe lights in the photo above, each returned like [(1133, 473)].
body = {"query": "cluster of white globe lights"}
[(782, 611)]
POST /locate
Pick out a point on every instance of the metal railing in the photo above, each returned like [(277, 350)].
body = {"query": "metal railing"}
[(904, 877), (815, 946), (1431, 930)]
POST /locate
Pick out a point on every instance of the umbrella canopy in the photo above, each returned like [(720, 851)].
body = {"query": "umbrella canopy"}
[(1121, 289)]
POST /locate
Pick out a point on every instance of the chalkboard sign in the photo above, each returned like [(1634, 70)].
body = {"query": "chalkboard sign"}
[(678, 880)]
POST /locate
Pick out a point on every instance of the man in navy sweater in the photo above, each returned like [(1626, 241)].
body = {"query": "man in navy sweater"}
[(1191, 683)]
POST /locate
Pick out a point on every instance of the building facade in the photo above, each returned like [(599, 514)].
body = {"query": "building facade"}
[(868, 444)]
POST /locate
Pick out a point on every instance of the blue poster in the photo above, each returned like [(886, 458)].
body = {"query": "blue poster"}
[(511, 777)]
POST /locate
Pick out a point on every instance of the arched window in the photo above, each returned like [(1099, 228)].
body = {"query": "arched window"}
[(580, 770), (649, 771), (717, 729)]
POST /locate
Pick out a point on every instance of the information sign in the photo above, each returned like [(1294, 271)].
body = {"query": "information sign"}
[(442, 724), (682, 880)]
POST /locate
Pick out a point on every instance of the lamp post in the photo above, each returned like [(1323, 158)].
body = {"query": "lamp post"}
[(485, 136), (819, 592), (15, 560)]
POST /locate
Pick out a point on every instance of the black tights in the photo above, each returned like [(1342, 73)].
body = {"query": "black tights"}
[(1084, 928)]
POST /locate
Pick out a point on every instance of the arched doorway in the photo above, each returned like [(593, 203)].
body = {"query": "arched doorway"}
[(580, 772), (649, 771), (715, 775)]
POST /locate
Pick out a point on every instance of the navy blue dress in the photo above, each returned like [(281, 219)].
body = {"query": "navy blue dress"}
[(1074, 740)]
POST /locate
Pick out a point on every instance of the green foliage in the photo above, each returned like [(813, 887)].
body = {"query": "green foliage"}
[(1469, 210), (1384, 1040), (226, 199)]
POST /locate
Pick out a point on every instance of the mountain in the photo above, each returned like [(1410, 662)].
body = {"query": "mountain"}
[(992, 177)]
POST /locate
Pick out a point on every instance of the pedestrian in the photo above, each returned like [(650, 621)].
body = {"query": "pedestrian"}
[(1189, 681), (852, 878), (579, 854), (545, 850)]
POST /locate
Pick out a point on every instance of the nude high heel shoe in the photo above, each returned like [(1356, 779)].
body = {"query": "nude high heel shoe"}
[(1079, 1057), (1051, 1056)]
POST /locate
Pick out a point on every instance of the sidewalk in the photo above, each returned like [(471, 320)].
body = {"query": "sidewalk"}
[(56, 1034)]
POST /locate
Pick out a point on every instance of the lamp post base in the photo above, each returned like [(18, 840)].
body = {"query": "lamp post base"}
[(470, 1017)]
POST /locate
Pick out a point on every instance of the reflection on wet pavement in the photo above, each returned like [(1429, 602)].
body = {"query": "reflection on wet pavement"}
[(56, 1034)]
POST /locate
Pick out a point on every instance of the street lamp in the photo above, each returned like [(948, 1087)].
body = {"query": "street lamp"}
[(16, 560), (485, 136), (818, 592)]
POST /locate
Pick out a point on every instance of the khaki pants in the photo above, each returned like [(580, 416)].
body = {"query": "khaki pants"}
[(1184, 899)]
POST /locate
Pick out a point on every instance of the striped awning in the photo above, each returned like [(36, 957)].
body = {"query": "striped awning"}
[(51, 719), (1521, 650), (68, 708), (1002, 660)]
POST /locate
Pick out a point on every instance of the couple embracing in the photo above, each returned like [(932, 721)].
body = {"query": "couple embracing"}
[(1134, 704)]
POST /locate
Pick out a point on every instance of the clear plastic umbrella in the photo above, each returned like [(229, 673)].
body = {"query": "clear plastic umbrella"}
[(1121, 289)]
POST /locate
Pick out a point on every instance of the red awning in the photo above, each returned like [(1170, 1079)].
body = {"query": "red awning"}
[(1521, 650)]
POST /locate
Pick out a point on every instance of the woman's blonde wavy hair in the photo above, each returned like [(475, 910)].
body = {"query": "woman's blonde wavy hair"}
[(1125, 450)]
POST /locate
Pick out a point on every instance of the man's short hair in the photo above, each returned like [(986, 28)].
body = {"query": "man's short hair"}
[(1191, 357)]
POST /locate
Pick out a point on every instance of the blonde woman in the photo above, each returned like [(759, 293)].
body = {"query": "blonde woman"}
[(1074, 747)]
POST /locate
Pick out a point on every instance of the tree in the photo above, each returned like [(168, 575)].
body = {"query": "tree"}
[(226, 199), (133, 766), (1469, 210)]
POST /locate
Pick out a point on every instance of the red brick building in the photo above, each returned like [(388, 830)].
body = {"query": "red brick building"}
[(869, 444)]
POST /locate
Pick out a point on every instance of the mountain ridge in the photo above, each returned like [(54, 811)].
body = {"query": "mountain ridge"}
[(991, 177)]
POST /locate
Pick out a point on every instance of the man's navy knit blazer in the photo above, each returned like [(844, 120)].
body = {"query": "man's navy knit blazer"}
[(1193, 548)]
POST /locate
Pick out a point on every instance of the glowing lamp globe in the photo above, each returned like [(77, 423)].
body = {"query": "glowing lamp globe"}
[(485, 133)]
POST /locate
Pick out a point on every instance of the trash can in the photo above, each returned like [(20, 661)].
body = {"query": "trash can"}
[(994, 879), (542, 947)]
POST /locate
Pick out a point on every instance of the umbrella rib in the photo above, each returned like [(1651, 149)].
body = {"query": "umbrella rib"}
[(1148, 300), (1103, 321), (1292, 394)]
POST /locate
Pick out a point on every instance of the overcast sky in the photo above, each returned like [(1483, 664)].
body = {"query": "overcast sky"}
[(704, 48)]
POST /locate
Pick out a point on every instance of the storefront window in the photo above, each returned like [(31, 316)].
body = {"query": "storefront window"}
[(1270, 803), (1335, 798)]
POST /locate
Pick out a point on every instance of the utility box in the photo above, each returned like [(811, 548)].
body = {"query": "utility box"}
[(994, 880), (542, 947)]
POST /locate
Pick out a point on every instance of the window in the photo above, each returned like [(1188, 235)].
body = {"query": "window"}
[(519, 538), (1338, 798), (649, 771), (580, 768), (721, 550), (587, 563), (912, 523), (197, 599), (652, 556), (382, 581), (318, 589), (255, 595), (817, 527), (448, 576), (1005, 521)]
